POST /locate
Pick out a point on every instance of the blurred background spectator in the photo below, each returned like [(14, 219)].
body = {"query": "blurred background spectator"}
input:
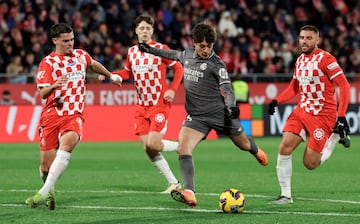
[(6, 98), (254, 36)]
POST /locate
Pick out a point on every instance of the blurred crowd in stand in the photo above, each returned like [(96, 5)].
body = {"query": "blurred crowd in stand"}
[(253, 36)]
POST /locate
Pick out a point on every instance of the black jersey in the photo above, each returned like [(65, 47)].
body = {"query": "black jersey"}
[(207, 83), (203, 79)]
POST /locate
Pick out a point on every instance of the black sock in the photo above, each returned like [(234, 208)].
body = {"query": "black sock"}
[(44, 176), (253, 147), (187, 171)]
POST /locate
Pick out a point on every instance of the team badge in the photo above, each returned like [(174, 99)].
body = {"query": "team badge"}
[(81, 61), (203, 66), (310, 66), (159, 118), (319, 134)]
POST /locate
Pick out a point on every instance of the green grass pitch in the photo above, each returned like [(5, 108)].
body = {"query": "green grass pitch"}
[(114, 182)]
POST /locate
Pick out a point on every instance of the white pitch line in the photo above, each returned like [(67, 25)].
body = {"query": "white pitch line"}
[(194, 210), (205, 194)]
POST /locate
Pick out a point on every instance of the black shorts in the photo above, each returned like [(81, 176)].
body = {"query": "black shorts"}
[(205, 124)]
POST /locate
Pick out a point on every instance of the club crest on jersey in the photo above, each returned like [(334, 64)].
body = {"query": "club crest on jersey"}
[(203, 66), (82, 60), (319, 134), (159, 118)]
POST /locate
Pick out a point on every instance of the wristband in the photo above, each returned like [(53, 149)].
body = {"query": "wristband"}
[(115, 78)]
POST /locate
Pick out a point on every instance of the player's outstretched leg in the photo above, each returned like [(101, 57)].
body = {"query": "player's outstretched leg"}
[(184, 196)]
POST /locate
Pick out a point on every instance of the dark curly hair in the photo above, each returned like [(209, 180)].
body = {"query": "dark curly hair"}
[(203, 31)]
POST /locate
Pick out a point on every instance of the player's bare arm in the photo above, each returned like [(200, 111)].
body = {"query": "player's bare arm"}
[(100, 69), (45, 92)]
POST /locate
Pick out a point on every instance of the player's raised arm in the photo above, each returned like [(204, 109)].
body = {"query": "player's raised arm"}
[(169, 54)]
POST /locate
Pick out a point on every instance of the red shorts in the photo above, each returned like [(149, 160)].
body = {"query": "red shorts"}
[(317, 127), (151, 118), (52, 127)]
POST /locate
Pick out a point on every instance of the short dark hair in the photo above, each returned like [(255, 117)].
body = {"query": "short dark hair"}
[(148, 19), (60, 28), (203, 31), (311, 28), (6, 92)]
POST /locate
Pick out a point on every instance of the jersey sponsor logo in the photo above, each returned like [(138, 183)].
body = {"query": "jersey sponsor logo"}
[(144, 68), (203, 66), (223, 73), (76, 75), (319, 134), (304, 80), (71, 63), (192, 75)]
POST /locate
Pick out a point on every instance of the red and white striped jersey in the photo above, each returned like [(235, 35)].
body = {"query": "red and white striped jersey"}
[(314, 74), (149, 73), (70, 98)]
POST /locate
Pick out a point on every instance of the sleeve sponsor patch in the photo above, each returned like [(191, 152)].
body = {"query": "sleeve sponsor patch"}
[(333, 66), (40, 75), (223, 73)]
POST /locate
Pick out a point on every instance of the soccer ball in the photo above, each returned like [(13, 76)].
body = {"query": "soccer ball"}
[(232, 201)]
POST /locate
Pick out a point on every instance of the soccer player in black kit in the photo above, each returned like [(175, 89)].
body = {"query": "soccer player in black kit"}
[(210, 104)]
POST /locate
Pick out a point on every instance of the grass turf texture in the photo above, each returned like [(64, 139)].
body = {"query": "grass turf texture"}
[(116, 183)]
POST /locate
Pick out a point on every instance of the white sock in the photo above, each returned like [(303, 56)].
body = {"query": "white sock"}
[(56, 169), (284, 172), (164, 168), (41, 173), (329, 147), (169, 145)]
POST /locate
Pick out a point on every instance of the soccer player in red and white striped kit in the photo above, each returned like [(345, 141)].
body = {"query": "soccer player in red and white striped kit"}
[(318, 116), (60, 80), (154, 97)]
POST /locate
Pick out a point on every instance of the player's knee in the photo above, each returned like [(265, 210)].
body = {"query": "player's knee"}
[(311, 165), (154, 146), (44, 166), (183, 150)]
